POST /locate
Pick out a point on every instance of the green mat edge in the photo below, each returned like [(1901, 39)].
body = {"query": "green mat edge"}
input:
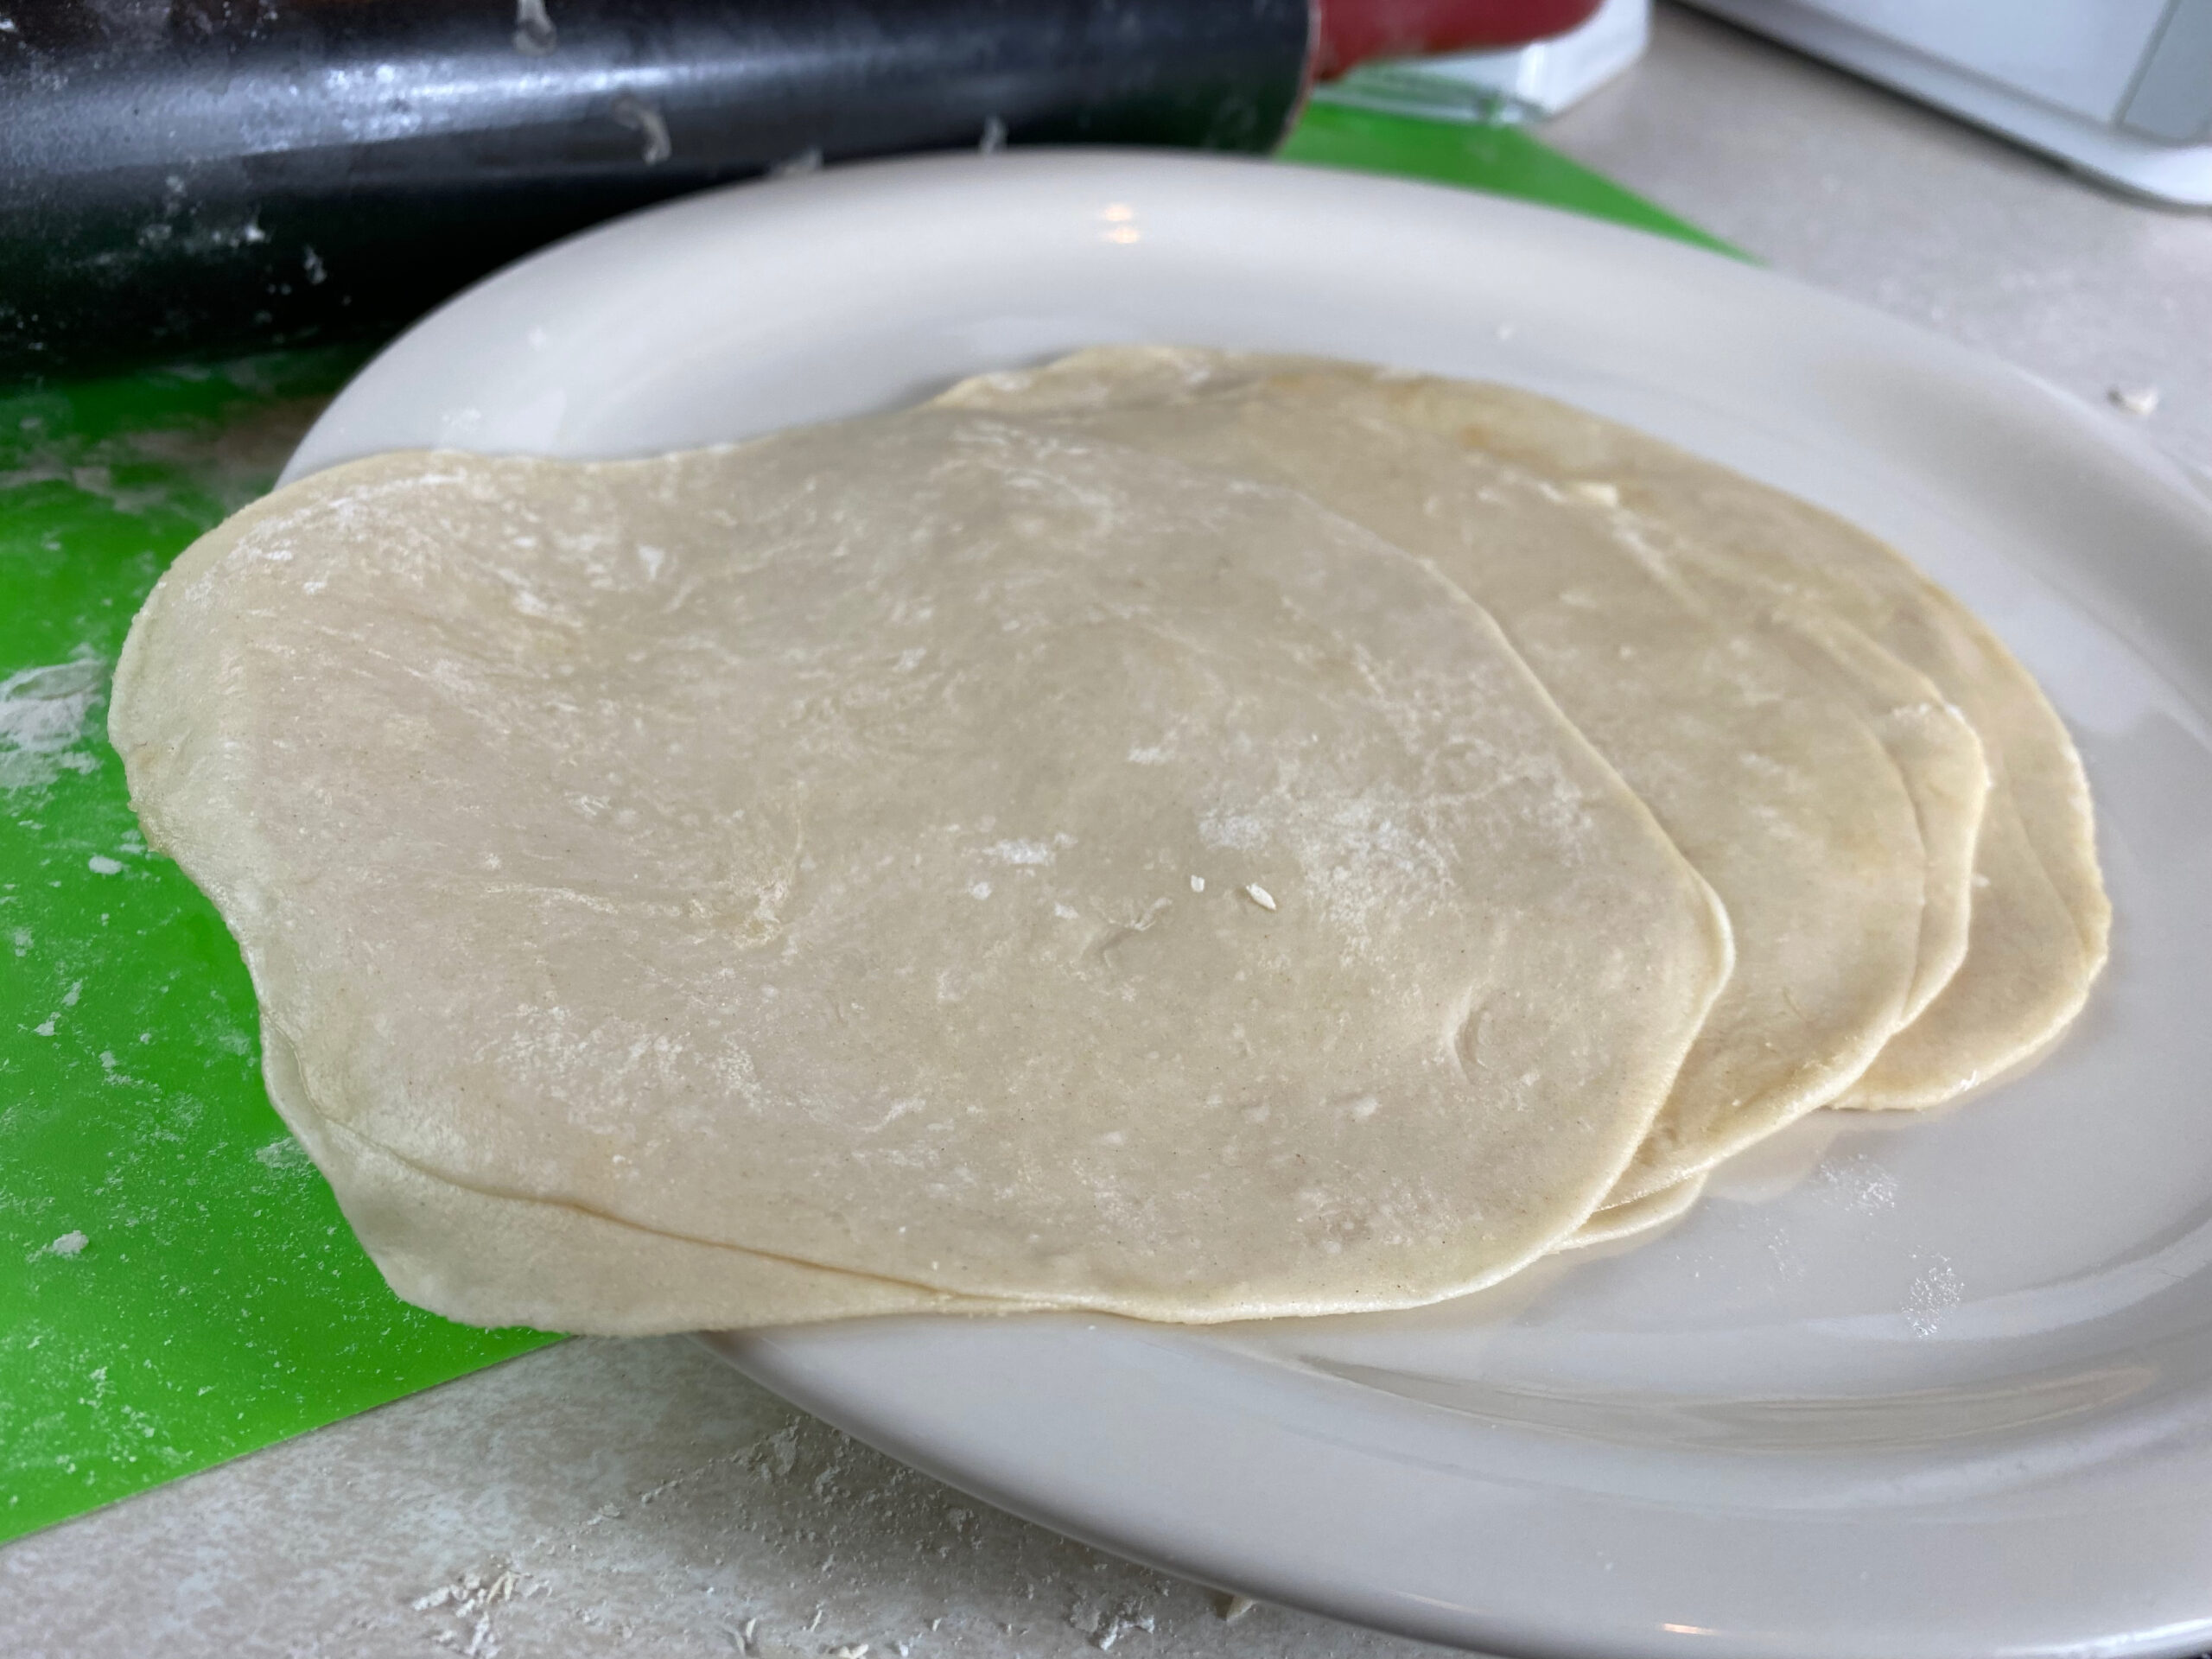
[(1503, 161)]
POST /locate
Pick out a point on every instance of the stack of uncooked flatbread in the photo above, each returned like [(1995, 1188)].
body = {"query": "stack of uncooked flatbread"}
[(1178, 834)]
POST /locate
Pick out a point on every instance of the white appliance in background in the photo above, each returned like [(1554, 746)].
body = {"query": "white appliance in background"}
[(2119, 89), (1533, 81)]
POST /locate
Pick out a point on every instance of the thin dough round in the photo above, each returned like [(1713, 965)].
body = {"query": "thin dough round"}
[(493, 1260), (1768, 774), (1938, 754), (793, 848), (486, 1259), (1637, 1216), (2041, 927)]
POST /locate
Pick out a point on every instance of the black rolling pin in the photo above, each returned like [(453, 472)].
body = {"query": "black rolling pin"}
[(190, 177)]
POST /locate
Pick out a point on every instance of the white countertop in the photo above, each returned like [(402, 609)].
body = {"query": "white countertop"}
[(603, 1497), (1829, 179)]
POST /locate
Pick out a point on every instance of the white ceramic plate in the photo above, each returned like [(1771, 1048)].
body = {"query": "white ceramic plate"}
[(1932, 1387)]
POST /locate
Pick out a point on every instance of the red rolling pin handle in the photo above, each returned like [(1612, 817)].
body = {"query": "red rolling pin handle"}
[(1349, 32)]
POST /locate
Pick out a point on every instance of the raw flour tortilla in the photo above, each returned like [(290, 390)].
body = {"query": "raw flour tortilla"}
[(1647, 1214), (991, 864), (488, 1259), (1787, 772), (2042, 923)]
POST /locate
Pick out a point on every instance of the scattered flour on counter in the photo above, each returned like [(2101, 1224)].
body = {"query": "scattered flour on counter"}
[(1112, 1627), (745, 1532), (282, 1153), (44, 715), (69, 998), (464, 1609)]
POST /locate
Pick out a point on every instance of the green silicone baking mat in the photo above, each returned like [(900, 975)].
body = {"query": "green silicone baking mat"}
[(176, 1285)]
